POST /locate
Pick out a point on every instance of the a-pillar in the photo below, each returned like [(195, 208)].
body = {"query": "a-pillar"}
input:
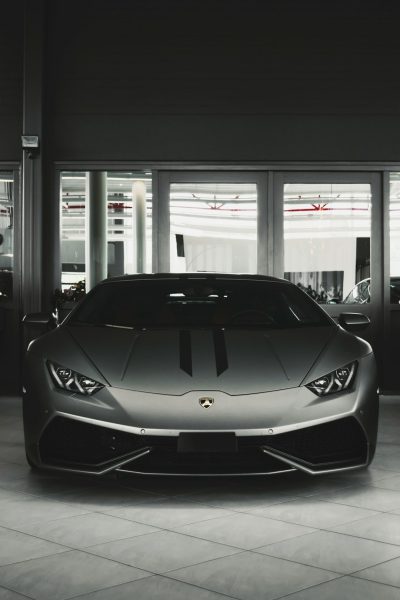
[(139, 210), (96, 228)]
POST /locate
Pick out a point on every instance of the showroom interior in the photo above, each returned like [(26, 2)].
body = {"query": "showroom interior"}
[(163, 136)]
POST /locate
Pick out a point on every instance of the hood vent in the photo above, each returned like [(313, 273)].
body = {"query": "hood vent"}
[(221, 359), (185, 352)]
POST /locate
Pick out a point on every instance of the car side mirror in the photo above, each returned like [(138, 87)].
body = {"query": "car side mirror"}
[(353, 321), (36, 325)]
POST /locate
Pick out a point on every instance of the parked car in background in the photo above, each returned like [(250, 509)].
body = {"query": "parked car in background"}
[(361, 293)]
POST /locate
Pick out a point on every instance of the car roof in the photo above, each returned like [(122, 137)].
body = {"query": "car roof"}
[(197, 276)]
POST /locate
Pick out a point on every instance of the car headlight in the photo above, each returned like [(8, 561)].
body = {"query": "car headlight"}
[(70, 380), (336, 381)]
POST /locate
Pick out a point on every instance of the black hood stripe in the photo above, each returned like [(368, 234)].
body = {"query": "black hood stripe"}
[(221, 358), (185, 352)]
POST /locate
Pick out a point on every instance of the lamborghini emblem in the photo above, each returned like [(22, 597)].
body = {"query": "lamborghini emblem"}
[(206, 402)]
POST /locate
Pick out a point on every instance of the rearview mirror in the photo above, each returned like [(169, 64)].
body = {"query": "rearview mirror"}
[(353, 321)]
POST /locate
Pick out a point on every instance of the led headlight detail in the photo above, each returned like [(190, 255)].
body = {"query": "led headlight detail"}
[(70, 380), (337, 381)]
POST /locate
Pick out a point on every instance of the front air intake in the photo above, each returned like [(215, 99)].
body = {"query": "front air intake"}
[(338, 442)]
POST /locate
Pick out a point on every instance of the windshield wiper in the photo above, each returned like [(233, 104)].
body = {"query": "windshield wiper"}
[(118, 326)]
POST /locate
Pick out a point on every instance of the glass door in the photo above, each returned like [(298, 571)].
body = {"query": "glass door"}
[(329, 227), (9, 283), (210, 222)]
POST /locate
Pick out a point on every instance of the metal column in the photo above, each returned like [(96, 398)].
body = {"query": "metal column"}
[(139, 209), (32, 163), (96, 219)]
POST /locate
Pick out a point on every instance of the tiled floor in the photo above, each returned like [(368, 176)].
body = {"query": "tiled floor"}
[(292, 536)]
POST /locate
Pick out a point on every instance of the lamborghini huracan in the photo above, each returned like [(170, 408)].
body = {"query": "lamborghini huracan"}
[(200, 374)]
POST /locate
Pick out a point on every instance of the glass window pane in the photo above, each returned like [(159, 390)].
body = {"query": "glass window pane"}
[(129, 219), (73, 228), (213, 227), (327, 231), (394, 223), (6, 234), (129, 222)]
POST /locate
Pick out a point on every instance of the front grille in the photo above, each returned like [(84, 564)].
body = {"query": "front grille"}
[(75, 444)]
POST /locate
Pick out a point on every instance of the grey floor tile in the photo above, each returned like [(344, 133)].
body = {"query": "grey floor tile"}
[(388, 483), (16, 547), (348, 588), (86, 530), (387, 572), (47, 482), (174, 486), (251, 576), (65, 575), (302, 485), (313, 513), (385, 449), (334, 552), (11, 425), (366, 497), (102, 496), (241, 499), (244, 530), (10, 595), (17, 511), (13, 452), (168, 512), (9, 494), (381, 528), (11, 404), (12, 429), (163, 551), (365, 476), (11, 473), (155, 588), (390, 462)]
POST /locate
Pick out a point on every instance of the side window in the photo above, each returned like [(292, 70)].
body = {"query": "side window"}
[(365, 294)]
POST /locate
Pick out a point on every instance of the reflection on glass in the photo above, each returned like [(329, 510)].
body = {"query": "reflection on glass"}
[(213, 227), (129, 214), (6, 234), (327, 230), (394, 224)]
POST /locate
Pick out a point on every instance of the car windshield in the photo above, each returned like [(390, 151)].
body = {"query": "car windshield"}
[(191, 302)]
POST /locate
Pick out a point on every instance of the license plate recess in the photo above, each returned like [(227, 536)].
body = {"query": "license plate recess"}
[(207, 442)]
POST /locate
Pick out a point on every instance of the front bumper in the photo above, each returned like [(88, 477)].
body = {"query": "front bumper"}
[(79, 446), (119, 430)]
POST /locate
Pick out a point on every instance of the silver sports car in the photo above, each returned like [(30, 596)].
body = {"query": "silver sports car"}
[(200, 374)]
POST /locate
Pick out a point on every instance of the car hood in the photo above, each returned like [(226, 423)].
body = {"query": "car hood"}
[(169, 361)]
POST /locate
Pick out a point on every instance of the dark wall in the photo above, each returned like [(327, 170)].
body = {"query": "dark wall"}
[(210, 80), (223, 80), (11, 58)]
